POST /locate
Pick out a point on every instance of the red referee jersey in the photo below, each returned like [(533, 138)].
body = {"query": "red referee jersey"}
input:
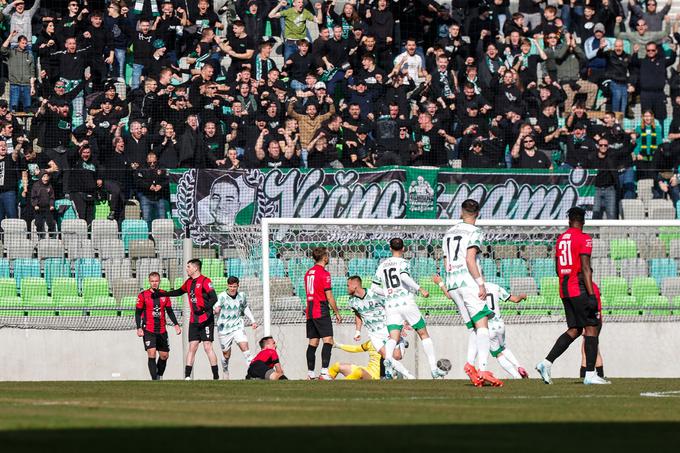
[(153, 316), (198, 289), (568, 250), (317, 282)]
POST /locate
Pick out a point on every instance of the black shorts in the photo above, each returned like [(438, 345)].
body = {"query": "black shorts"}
[(581, 311), (157, 341), (259, 370), (320, 327), (202, 332)]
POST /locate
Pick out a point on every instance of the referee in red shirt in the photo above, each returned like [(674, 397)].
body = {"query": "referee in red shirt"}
[(202, 297), (579, 297), (319, 301), (150, 314)]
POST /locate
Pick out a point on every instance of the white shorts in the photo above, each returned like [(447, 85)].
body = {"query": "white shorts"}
[(379, 338), (237, 336), (476, 308), (496, 336), (409, 312)]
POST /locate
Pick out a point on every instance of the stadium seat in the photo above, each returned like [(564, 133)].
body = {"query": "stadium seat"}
[(500, 281), (165, 248), (633, 209), (632, 268), (362, 266), (276, 268), (656, 306), (33, 286), (56, 267), (127, 306), (145, 266), (550, 287), (623, 248), (117, 268), (4, 268), (124, 287), (174, 269), (163, 229), (204, 252), (423, 267), (651, 248), (489, 267), (381, 252), (212, 267), (141, 248), (111, 249), (542, 267), (659, 209), (8, 287), (523, 285), (297, 267), (283, 287), (244, 268), (600, 249), (102, 306), (624, 306), (429, 285), (220, 284), (11, 306), (661, 269), (18, 248), (603, 267), (25, 267), (14, 226), (103, 231), (504, 251), (50, 248), (40, 306), (670, 287), (613, 287), (72, 230), (86, 268), (338, 286), (69, 214), (64, 287), (643, 287), (132, 230), (530, 252), (336, 267), (514, 267), (95, 287)]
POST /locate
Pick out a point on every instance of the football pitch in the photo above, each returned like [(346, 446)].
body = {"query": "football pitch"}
[(629, 415)]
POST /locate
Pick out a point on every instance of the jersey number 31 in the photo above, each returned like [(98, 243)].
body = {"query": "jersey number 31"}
[(565, 253)]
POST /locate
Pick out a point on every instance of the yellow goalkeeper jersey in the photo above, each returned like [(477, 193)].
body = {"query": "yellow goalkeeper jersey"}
[(373, 366)]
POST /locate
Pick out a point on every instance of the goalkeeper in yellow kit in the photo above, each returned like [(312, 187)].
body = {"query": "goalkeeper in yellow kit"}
[(354, 372)]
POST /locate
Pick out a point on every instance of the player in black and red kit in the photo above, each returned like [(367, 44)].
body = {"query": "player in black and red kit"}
[(202, 297), (150, 320), (579, 296), (266, 365), (319, 324)]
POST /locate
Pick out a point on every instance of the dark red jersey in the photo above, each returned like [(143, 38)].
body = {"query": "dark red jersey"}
[(568, 250), (198, 290), (317, 282), (267, 356), (153, 315)]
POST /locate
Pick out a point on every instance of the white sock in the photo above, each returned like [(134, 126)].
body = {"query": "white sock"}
[(472, 347), (389, 356), (248, 356), (428, 346), (483, 345), (225, 365), (324, 371), (311, 374), (507, 353), (509, 367)]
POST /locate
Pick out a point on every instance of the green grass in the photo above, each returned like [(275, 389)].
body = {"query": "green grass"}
[(337, 416)]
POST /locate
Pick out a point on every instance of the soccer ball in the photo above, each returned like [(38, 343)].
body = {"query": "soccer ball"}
[(444, 364)]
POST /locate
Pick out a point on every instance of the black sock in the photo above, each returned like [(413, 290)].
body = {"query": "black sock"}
[(600, 371), (216, 372), (326, 355), (283, 378), (591, 344), (582, 374), (152, 369), (311, 357), (382, 367), (161, 366), (561, 345), (187, 370)]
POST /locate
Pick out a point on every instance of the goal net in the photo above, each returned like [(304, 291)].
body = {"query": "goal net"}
[(634, 264)]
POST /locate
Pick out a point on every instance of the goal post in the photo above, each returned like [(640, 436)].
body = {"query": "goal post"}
[(636, 259)]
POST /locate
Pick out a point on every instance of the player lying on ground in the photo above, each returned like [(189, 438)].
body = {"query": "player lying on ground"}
[(393, 281), (230, 308), (266, 363), (355, 372), (499, 349), (462, 245), (579, 296), (150, 321), (202, 298)]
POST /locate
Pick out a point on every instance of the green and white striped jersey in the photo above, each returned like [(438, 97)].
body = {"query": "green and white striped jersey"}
[(457, 240), (371, 309), (390, 278), (232, 310), (494, 296)]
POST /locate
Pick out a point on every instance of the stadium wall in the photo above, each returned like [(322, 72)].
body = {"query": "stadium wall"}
[(629, 350)]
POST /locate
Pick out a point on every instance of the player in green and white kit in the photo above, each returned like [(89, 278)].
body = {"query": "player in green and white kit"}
[(393, 281), (462, 244), (230, 308)]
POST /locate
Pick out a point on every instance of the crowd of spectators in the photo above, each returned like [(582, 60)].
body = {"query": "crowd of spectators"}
[(106, 96)]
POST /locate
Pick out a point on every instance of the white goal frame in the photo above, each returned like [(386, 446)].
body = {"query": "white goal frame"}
[(268, 222)]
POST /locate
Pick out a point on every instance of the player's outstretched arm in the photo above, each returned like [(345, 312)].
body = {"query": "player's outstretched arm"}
[(517, 299), (439, 282), (174, 293)]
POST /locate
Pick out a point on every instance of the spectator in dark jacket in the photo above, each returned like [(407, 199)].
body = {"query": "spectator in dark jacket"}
[(151, 183), (42, 202)]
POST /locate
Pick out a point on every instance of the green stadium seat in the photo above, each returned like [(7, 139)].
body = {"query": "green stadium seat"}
[(623, 248), (427, 284), (675, 305), (4, 268), (179, 281), (132, 230), (625, 306), (8, 287), (11, 306), (244, 268), (95, 287), (219, 283), (656, 306), (532, 305), (614, 287), (541, 268), (297, 267), (423, 267), (33, 287), (338, 286), (25, 267), (55, 268), (40, 306), (514, 267), (660, 269), (69, 214), (127, 306), (70, 306), (668, 234), (343, 302), (643, 287), (63, 288), (362, 266), (87, 268), (212, 267), (381, 252), (102, 306), (489, 268), (550, 287), (276, 268), (500, 281)]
